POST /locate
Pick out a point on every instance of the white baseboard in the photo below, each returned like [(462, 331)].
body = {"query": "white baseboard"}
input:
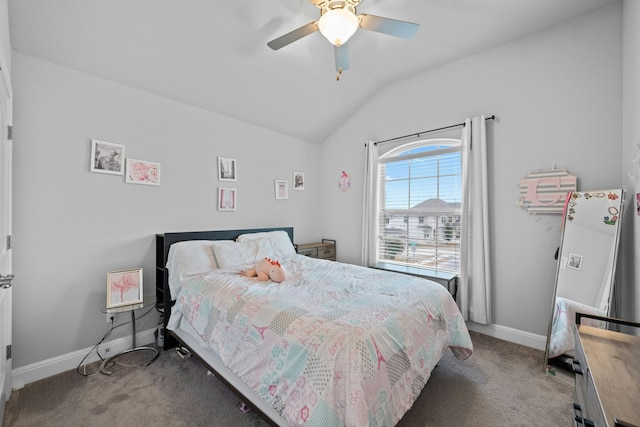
[(539, 342), (66, 362)]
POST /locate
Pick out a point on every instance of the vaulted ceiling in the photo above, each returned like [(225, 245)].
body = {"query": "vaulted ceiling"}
[(213, 54)]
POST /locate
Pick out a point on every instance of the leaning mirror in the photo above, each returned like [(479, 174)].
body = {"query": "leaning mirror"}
[(586, 266)]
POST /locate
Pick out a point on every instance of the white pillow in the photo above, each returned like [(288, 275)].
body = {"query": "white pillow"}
[(230, 254), (187, 259), (280, 241)]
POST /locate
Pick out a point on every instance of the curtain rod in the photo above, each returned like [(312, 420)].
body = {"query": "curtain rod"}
[(493, 117)]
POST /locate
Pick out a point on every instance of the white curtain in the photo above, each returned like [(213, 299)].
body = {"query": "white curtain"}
[(368, 211), (474, 288)]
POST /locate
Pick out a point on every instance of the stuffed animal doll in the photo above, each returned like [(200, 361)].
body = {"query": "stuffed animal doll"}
[(268, 269)]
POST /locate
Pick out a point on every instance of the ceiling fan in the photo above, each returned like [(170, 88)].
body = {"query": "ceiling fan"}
[(338, 22)]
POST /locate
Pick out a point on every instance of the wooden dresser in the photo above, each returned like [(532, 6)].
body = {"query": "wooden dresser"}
[(326, 249), (607, 371)]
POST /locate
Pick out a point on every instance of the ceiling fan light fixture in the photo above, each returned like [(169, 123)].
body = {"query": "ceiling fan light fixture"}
[(338, 25)]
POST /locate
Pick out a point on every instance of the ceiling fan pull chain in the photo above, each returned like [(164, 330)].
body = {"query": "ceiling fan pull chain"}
[(338, 62)]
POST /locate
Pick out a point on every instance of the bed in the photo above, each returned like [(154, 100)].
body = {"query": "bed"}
[(333, 345)]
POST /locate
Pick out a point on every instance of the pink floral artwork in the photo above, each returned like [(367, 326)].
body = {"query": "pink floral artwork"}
[(124, 287), (143, 172)]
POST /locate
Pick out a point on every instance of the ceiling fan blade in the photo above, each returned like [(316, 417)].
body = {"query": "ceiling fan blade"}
[(294, 35), (389, 26), (341, 54)]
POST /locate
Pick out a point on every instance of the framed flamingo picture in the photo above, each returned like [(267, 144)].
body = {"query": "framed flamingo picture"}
[(124, 287)]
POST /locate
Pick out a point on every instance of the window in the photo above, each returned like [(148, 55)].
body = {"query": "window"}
[(419, 205)]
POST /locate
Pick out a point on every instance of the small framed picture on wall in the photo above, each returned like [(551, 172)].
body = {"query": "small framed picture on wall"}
[(282, 189), (142, 172), (227, 169), (298, 181), (227, 199), (107, 157)]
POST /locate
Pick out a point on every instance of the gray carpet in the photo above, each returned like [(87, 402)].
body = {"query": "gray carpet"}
[(501, 384)]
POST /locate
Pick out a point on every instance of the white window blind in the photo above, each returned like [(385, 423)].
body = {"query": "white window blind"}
[(419, 201)]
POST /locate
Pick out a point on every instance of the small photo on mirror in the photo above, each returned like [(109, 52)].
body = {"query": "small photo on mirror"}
[(575, 261)]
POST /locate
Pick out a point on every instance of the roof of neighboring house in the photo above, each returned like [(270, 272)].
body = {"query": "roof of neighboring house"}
[(436, 204)]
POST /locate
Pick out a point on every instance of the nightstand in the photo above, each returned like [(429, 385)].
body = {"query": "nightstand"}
[(326, 249), (147, 301)]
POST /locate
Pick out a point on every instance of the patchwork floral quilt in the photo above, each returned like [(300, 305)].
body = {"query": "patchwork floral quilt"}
[(333, 345)]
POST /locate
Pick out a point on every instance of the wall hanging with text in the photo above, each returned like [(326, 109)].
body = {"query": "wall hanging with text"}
[(545, 191)]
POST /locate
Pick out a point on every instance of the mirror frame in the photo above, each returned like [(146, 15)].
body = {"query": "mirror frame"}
[(559, 260)]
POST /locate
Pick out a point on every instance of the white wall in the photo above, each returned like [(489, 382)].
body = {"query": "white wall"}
[(630, 243), (72, 226), (557, 96)]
